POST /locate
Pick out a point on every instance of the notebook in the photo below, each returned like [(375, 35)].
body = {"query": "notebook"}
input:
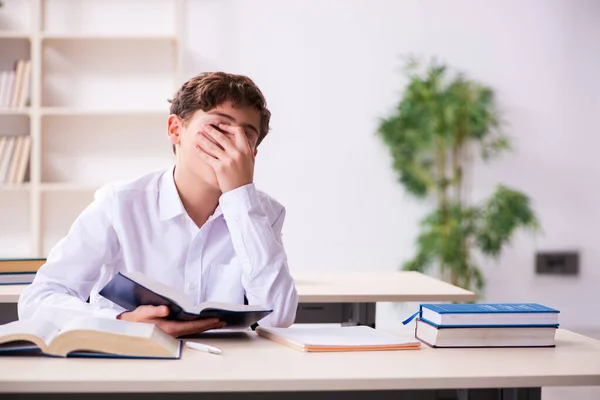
[(350, 338), (492, 314), (133, 289), (88, 337)]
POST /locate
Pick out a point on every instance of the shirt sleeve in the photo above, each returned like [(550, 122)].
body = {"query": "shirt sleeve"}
[(258, 245), (62, 285)]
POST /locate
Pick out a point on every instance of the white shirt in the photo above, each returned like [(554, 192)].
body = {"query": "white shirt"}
[(143, 226)]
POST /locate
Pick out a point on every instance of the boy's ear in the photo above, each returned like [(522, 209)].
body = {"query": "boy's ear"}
[(255, 152), (174, 125)]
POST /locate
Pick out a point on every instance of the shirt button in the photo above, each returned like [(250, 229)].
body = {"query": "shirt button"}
[(192, 286)]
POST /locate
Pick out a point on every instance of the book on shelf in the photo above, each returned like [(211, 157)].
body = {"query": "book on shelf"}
[(7, 79), (15, 85), (88, 337), (15, 152), (133, 289), (486, 336), (18, 271), (332, 339), (491, 314), (19, 96)]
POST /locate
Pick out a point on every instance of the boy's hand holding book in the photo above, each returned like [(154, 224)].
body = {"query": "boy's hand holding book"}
[(232, 158), (157, 314)]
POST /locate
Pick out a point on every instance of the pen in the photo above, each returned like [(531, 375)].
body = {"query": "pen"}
[(203, 347)]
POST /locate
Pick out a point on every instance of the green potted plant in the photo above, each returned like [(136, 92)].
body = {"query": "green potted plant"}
[(441, 123)]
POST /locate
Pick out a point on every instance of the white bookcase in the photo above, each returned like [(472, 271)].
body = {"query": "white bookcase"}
[(101, 74)]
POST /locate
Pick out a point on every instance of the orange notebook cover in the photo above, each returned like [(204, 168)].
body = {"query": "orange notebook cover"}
[(328, 339)]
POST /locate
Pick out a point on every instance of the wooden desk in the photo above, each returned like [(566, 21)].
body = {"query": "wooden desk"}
[(350, 298), (346, 297), (10, 293), (252, 364)]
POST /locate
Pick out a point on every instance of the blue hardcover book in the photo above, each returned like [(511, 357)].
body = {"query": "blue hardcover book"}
[(489, 315), (88, 337), (132, 289)]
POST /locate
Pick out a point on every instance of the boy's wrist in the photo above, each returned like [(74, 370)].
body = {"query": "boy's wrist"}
[(239, 200)]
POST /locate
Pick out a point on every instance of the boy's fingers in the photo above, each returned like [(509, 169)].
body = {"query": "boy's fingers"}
[(182, 328), (219, 137), (149, 312), (209, 147), (239, 135)]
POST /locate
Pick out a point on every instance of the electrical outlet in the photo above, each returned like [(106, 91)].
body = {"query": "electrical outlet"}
[(557, 263)]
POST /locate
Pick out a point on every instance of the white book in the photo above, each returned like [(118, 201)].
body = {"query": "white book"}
[(14, 96), (3, 147), (3, 86), (14, 161), (6, 158), (23, 160), (25, 84), (10, 82)]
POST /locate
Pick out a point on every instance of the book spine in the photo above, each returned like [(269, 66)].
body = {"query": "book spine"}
[(16, 89)]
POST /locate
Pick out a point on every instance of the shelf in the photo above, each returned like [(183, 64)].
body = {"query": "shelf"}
[(14, 187), (68, 111), (97, 107), (15, 111), (14, 35), (66, 37), (68, 187)]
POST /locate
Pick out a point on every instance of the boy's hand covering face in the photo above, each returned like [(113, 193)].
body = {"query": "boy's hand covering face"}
[(227, 150)]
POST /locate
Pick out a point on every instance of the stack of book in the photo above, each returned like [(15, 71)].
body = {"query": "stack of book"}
[(19, 271), (487, 325), (14, 158), (14, 85)]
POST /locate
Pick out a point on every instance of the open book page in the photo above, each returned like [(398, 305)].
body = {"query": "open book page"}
[(29, 329), (126, 328), (351, 337), (161, 288)]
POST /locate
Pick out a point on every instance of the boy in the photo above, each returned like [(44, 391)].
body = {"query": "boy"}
[(200, 226)]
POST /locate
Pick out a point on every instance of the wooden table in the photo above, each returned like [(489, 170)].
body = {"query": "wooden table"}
[(346, 297), (350, 297), (253, 365)]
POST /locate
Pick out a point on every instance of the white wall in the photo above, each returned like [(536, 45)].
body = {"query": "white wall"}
[(330, 69)]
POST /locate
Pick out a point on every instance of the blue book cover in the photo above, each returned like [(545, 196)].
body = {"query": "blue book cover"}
[(131, 290), (491, 315), (489, 308)]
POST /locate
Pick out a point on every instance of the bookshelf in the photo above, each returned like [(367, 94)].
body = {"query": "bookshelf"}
[(96, 108)]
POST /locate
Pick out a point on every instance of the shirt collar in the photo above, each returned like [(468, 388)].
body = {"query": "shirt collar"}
[(169, 202)]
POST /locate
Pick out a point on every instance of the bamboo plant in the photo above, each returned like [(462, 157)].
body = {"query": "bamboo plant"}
[(441, 123)]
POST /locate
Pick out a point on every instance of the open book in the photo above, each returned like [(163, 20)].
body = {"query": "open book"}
[(351, 338), (133, 289), (88, 337)]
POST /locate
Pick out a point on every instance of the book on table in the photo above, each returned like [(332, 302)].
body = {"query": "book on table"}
[(88, 337), (492, 314), (487, 325), (133, 289), (331, 339), (16, 271)]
